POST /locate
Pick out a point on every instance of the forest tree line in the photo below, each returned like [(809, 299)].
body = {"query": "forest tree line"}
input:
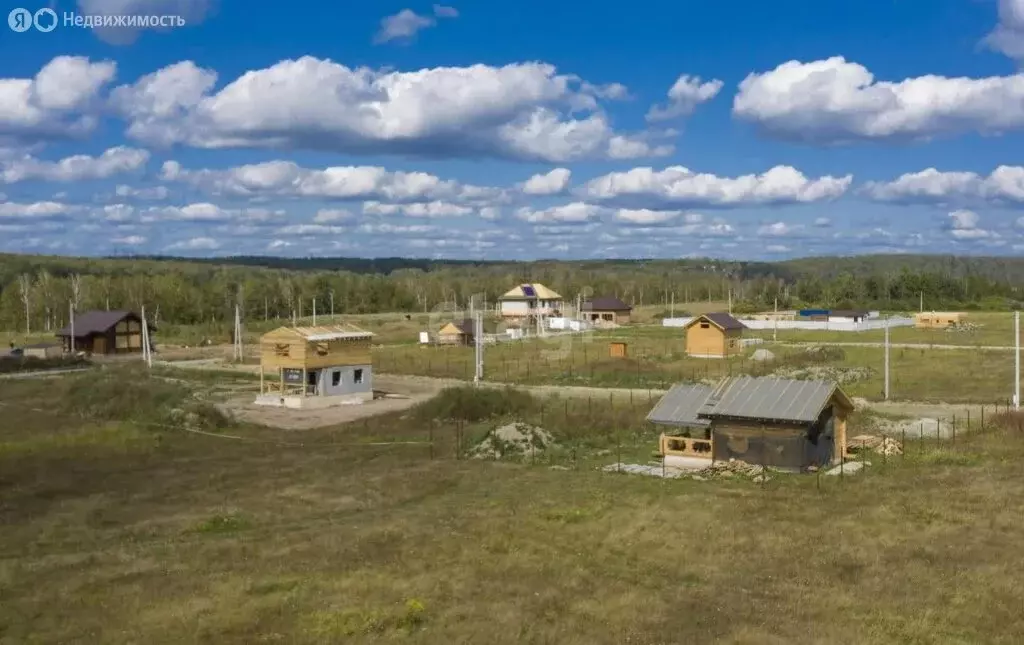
[(37, 291)]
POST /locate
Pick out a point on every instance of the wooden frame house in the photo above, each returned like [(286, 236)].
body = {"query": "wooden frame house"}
[(329, 361), (716, 335), (782, 423)]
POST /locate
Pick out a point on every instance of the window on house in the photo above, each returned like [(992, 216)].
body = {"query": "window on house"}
[(322, 349), (358, 376), (281, 350), (704, 325), (607, 316), (336, 378)]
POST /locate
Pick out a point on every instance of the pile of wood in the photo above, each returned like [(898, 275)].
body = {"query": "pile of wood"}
[(963, 326), (886, 446)]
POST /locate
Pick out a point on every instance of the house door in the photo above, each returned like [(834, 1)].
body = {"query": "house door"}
[(311, 382), (99, 344)]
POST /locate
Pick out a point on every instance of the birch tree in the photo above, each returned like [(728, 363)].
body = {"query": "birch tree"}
[(25, 285)]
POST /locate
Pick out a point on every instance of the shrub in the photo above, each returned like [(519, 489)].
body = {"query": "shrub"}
[(475, 404)]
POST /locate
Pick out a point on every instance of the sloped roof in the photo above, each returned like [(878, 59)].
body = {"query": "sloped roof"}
[(342, 331), (466, 325), (606, 303), (721, 320), (519, 293), (98, 322), (774, 399), (681, 405), (744, 397)]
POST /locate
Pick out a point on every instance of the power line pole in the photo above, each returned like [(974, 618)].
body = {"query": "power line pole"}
[(672, 307), (478, 338), (886, 358), (314, 311), (71, 317), (1016, 361), (147, 355)]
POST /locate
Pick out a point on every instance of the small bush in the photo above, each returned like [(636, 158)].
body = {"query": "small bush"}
[(11, 364), (475, 404), (223, 524)]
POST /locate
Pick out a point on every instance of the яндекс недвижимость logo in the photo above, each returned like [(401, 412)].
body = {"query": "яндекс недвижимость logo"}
[(46, 19)]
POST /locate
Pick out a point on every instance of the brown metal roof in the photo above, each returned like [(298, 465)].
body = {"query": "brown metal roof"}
[(722, 320), (606, 303), (98, 322)]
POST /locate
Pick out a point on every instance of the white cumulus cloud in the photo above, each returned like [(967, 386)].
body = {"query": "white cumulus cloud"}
[(62, 100), (1003, 185), (1008, 36), (576, 212), (684, 96), (679, 186), (113, 161), (551, 183), (195, 244), (404, 25), (520, 110), (836, 101)]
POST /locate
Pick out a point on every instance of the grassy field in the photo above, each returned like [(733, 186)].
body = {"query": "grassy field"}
[(121, 532), (917, 374)]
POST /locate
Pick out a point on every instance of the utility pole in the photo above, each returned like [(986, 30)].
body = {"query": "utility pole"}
[(332, 304), (672, 307), (147, 354), (776, 304), (730, 301), (1016, 361), (478, 341), (886, 358), (71, 317), (314, 311), (922, 302)]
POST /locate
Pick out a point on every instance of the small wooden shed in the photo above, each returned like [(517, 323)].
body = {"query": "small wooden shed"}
[(782, 423), (317, 361), (617, 350), (939, 319), (457, 332), (715, 335)]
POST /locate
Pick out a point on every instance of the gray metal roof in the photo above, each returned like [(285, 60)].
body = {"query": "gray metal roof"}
[(769, 398), (680, 406)]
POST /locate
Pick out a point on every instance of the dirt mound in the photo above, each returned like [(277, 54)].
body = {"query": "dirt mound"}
[(513, 441), (841, 375)]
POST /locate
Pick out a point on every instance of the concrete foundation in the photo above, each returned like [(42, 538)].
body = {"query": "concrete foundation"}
[(313, 402)]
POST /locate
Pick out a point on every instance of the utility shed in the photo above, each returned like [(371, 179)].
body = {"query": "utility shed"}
[(716, 335), (939, 319), (784, 423), (607, 310), (329, 361), (105, 332)]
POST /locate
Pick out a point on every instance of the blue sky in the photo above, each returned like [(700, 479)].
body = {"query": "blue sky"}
[(534, 130)]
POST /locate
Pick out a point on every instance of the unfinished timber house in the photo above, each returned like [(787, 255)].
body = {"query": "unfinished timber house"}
[(782, 423), (315, 366)]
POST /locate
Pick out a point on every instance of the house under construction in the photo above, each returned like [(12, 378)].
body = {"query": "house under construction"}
[(315, 366), (783, 423)]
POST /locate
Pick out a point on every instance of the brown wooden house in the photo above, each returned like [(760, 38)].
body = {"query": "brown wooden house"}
[(105, 332), (328, 361), (607, 310), (716, 335)]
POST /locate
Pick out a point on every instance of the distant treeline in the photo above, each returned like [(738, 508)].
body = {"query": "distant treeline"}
[(202, 291)]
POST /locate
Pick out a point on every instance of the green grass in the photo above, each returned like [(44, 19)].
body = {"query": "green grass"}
[(917, 374), (206, 540)]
